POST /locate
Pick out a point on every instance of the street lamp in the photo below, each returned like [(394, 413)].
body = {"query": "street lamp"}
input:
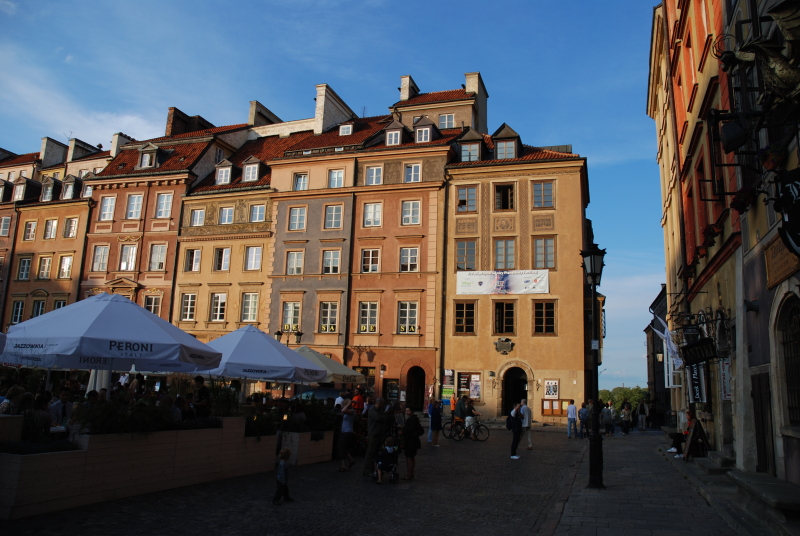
[(593, 266), (297, 335)]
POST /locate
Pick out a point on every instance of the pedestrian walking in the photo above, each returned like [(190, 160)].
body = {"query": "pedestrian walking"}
[(527, 420), (607, 416), (583, 416), (347, 436), (572, 419), (376, 431), (431, 403), (411, 444), (436, 422), (642, 412), (626, 419), (452, 405), (514, 423), (283, 478)]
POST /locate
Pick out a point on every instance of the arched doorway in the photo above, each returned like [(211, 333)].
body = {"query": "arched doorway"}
[(515, 383), (415, 388)]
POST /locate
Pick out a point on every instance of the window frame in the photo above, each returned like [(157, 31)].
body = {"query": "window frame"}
[(130, 266), (328, 309), (512, 198), (345, 130), (335, 254), (17, 311), (50, 229), (411, 221), (449, 121), (412, 171), (296, 309), (292, 257), (339, 180), (70, 231), (552, 204), (379, 216), (250, 173), (263, 211), (222, 260), (296, 182), (218, 307), (393, 137), (47, 192), (251, 308), (228, 211), (460, 241), (472, 151), (192, 259), (473, 189), (376, 170), (108, 204), (534, 256), (290, 212), (153, 248), (513, 303), (247, 258), (24, 261), (155, 303), (37, 304), (371, 315), (62, 274), (505, 239), (103, 258), (58, 304), (168, 206), (341, 216), (223, 175), (29, 230), (188, 306), (132, 210), (193, 222), (423, 135), (535, 318), (464, 323), (5, 225), (404, 329), (377, 264), (43, 272), (505, 145), (412, 267)]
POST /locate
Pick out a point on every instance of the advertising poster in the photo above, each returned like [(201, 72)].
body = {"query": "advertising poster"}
[(475, 386), (463, 383), (511, 282), (551, 389)]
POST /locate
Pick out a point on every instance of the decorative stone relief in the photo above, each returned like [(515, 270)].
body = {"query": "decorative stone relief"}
[(545, 222), (466, 226), (503, 224)]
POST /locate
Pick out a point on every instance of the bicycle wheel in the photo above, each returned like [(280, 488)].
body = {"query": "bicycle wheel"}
[(457, 432), (482, 432), (447, 430)]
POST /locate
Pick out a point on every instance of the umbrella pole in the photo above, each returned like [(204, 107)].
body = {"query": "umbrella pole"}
[(47, 380)]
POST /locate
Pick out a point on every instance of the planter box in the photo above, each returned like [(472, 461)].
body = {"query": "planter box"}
[(306, 451), (40, 483)]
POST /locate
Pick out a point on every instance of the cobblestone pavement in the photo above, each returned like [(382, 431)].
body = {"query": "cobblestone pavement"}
[(460, 488)]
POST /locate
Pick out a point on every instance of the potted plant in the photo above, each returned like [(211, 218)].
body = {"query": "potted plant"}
[(710, 232), (773, 156), (743, 199)]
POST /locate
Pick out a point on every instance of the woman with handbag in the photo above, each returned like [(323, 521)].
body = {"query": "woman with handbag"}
[(411, 444)]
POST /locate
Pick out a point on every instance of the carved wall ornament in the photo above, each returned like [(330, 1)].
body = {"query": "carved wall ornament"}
[(504, 224), (466, 226), (129, 238), (504, 345), (545, 222)]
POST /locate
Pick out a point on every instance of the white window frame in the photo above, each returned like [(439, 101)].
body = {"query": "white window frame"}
[(152, 303), (412, 173), (258, 213), (65, 267), (193, 257), (127, 258), (219, 303), (164, 205), (472, 151), (45, 264), (249, 307), (146, 160), (393, 137), (374, 267), (38, 308), (158, 255), (328, 317), (374, 175), (297, 218), (331, 261), (505, 150), (29, 231), (219, 155), (368, 317), (333, 217), (295, 261), (373, 214), (224, 175), (423, 135), (5, 225), (222, 259), (69, 188), (70, 227), (335, 178), (225, 215), (412, 213), (100, 258), (58, 304), (291, 311), (447, 121), (134, 208), (250, 173), (17, 312), (107, 205), (50, 229), (252, 256), (407, 316), (87, 191), (47, 192), (24, 269), (188, 306), (197, 217), (409, 259), (345, 130), (300, 182)]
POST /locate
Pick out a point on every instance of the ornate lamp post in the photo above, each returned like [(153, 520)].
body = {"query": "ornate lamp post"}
[(593, 266), (359, 350), (297, 336)]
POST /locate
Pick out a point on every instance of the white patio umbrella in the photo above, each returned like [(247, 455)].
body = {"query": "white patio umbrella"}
[(336, 371), (250, 353), (106, 332)]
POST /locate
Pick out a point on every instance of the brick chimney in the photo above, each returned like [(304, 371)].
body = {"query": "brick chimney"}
[(180, 123), (117, 141), (408, 88)]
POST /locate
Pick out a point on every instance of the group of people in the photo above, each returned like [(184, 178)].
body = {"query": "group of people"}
[(608, 417)]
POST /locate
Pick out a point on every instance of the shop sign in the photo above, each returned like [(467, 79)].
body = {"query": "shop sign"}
[(725, 378), (697, 383), (780, 262), (699, 351)]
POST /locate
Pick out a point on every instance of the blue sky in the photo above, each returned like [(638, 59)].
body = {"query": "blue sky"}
[(557, 72)]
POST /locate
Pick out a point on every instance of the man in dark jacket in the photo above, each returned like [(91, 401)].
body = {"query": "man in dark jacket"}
[(516, 430), (376, 432)]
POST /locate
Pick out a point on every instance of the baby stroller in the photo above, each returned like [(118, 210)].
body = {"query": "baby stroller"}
[(387, 463)]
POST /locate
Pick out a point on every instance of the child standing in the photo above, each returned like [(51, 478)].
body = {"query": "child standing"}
[(283, 478), (387, 459)]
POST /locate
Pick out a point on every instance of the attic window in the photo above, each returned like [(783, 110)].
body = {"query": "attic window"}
[(82, 173), (224, 176), (87, 190), (345, 130), (470, 152), (307, 151), (504, 150), (19, 192), (250, 173), (447, 121), (67, 193), (423, 135), (219, 155), (120, 166), (47, 192), (146, 160), (393, 137), (339, 149)]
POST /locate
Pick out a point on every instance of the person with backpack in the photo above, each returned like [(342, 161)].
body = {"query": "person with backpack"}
[(514, 423), (411, 444)]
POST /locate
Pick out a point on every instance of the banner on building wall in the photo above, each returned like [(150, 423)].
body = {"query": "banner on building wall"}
[(475, 386), (697, 383), (551, 388), (725, 378), (512, 282)]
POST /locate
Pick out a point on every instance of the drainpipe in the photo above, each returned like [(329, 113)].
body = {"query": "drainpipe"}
[(9, 267), (445, 277), (350, 269)]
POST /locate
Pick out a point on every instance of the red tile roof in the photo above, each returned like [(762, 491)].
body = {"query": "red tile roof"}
[(529, 154), (198, 133), (365, 128), (101, 154), (178, 158), (20, 159), (448, 137), (436, 96), (265, 149)]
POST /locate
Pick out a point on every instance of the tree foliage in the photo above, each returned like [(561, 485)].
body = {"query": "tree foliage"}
[(618, 395)]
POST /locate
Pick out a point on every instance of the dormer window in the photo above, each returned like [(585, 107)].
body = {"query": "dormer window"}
[(423, 135), (87, 190), (219, 155), (82, 173), (470, 152), (504, 150), (68, 189), (224, 175), (447, 121), (146, 160), (250, 173), (393, 137), (19, 192), (47, 192), (345, 130), (11, 175)]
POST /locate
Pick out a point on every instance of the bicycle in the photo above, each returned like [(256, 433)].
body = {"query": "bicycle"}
[(478, 431), (447, 429)]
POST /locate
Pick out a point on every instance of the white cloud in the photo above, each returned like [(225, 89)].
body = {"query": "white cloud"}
[(31, 96), (68, 59), (8, 7)]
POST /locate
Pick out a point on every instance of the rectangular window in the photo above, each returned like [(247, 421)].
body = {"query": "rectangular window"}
[(19, 192), (504, 197), (218, 304), (333, 217), (58, 304), (345, 130), (224, 175), (17, 311), (335, 178), (297, 219), (107, 208), (504, 254), (466, 253), (50, 229), (225, 215), (543, 194), (412, 173), (504, 149), (503, 317), (467, 199), (544, 318), (407, 317), (300, 182), (222, 259), (100, 259), (328, 313), (411, 210), (393, 137), (409, 259), (250, 173), (188, 306), (163, 205), (5, 225), (544, 253), (158, 257), (87, 190), (47, 192), (367, 317), (465, 318), (198, 217), (134, 211), (153, 304), (447, 121), (258, 213), (330, 262), (291, 316), (44, 267), (70, 227), (192, 260), (127, 258), (30, 231), (249, 307), (68, 189), (423, 135), (294, 263), (372, 215), (219, 155), (65, 267), (369, 260), (146, 160), (252, 255), (374, 176), (38, 308), (470, 152)]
